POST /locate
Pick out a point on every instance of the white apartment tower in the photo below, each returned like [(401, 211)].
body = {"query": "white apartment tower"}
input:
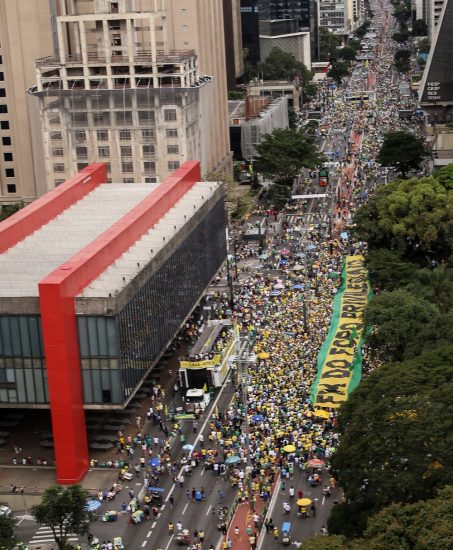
[(115, 91)]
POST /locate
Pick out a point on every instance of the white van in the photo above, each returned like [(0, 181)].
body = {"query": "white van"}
[(196, 400)]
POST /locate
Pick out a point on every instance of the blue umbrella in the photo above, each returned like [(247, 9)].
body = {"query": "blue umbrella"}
[(232, 459), (298, 287), (275, 293), (312, 247), (283, 262), (344, 235), (257, 417), (92, 505), (154, 462)]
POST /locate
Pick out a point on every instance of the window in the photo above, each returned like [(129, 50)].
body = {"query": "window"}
[(78, 119), (2, 77), (58, 182), (173, 164), (57, 151), (8, 157), (127, 166), (81, 152), (6, 141), (149, 166), (148, 134), (2, 92), (124, 118), (11, 188), (102, 135), (80, 136), (104, 152), (150, 180), (171, 132), (1, 59), (3, 109), (126, 151), (125, 135), (172, 149), (128, 180), (169, 115), (101, 119), (108, 167), (58, 167), (4, 125), (81, 165), (145, 117), (55, 136), (9, 172), (148, 149)]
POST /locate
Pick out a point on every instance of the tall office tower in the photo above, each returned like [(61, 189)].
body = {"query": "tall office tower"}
[(292, 9), (252, 12), (126, 86), (336, 17), (433, 11), (233, 42), (25, 32), (198, 24)]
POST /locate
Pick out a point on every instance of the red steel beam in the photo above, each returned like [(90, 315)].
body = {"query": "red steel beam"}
[(57, 294), (27, 220)]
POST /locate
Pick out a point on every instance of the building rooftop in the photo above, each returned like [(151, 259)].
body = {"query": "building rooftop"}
[(24, 265)]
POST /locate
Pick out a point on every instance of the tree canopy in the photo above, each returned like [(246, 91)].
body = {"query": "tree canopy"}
[(282, 154), (63, 511), (8, 540), (387, 270), (402, 150), (395, 437), (399, 319), (411, 216), (338, 71), (402, 60), (281, 65), (328, 44)]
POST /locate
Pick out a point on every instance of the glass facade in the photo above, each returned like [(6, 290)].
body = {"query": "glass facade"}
[(22, 369), (116, 352), (153, 317)]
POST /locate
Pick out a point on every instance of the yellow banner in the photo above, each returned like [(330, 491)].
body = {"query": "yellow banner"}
[(201, 364), (339, 363)]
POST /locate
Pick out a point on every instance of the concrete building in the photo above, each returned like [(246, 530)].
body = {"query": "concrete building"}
[(233, 43), (252, 13), (96, 280), (336, 16), (436, 90), (127, 87), (433, 12), (297, 44), (274, 88), (25, 33), (251, 119)]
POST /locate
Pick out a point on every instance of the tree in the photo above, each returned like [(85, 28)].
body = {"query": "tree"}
[(435, 285), (399, 318), (413, 217), (8, 540), (293, 119), (400, 37), (281, 65), (347, 53), (396, 432), (63, 511), (421, 526), (7, 210), (328, 44), (424, 46), (326, 543), (338, 70), (387, 270), (402, 150), (282, 154), (402, 13), (402, 60), (419, 28)]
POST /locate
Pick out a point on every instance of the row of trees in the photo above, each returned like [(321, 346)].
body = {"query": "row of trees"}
[(396, 430)]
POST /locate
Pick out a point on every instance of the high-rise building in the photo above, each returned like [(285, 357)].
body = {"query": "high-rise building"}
[(233, 42), (302, 11), (25, 33), (252, 13), (433, 12), (131, 84), (337, 17)]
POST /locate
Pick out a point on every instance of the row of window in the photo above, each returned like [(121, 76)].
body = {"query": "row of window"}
[(126, 166), (121, 117), (124, 135), (104, 152)]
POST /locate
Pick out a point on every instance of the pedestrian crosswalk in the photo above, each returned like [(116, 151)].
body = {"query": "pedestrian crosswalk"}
[(44, 535)]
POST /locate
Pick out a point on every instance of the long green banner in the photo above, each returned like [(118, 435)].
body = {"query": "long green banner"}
[(340, 359)]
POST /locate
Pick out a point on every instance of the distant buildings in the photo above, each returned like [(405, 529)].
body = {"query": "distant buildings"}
[(436, 89)]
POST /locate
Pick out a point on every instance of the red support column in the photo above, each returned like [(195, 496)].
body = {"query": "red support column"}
[(57, 293)]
